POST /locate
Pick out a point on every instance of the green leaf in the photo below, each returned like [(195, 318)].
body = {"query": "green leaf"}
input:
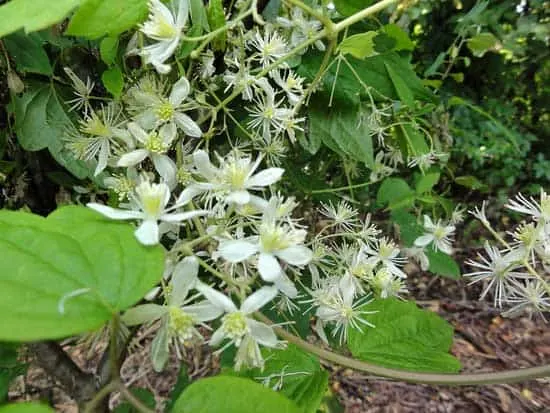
[(198, 14), (216, 19), (411, 141), (26, 408), (405, 94), (28, 53), (392, 191), (349, 7), (349, 84), (427, 182), (41, 121), (33, 15), (181, 384), (442, 264), (402, 40), (143, 395), (69, 273), (232, 395), (482, 43), (108, 49), (113, 80), (296, 374), (409, 228), (470, 181), (359, 45), (405, 337), (271, 10), (339, 129), (10, 368), (96, 18)]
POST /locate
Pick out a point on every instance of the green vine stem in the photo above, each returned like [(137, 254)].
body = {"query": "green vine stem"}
[(466, 379)]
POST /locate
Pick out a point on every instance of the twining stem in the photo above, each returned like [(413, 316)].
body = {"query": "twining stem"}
[(92, 406), (467, 379)]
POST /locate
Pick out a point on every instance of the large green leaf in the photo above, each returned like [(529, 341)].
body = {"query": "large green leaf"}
[(296, 374), (232, 395), (405, 337), (340, 130), (26, 408), (69, 273), (41, 122), (395, 192), (442, 264), (96, 18), (372, 72), (28, 53), (33, 15)]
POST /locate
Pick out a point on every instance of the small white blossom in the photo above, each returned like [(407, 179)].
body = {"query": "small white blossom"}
[(269, 46), (234, 178), (538, 210), (385, 252), (165, 26), (499, 270), (240, 328), (148, 204), (154, 145), (439, 234)]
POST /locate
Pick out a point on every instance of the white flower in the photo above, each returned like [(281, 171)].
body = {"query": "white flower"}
[(165, 26), (530, 297), (235, 176), (267, 115), (302, 29), (385, 252), (386, 285), (339, 308), (98, 134), (270, 46), (179, 317), (158, 110), (419, 256), (274, 242), (438, 233), (82, 91), (241, 329), (154, 145), (425, 160), (499, 270), (538, 210), (291, 84), (148, 204), (343, 214)]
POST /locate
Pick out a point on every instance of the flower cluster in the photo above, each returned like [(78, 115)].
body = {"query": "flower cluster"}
[(517, 272), (234, 244)]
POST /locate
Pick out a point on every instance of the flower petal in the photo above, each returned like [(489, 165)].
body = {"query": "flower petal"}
[(166, 168), (143, 313), (138, 132), (269, 267), (236, 250), (188, 125), (133, 158), (203, 311), (148, 233), (183, 279), (203, 165), (295, 255), (180, 91), (423, 240), (217, 337), (262, 333), (114, 213), (216, 298), (265, 177), (238, 197), (258, 299), (183, 216)]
